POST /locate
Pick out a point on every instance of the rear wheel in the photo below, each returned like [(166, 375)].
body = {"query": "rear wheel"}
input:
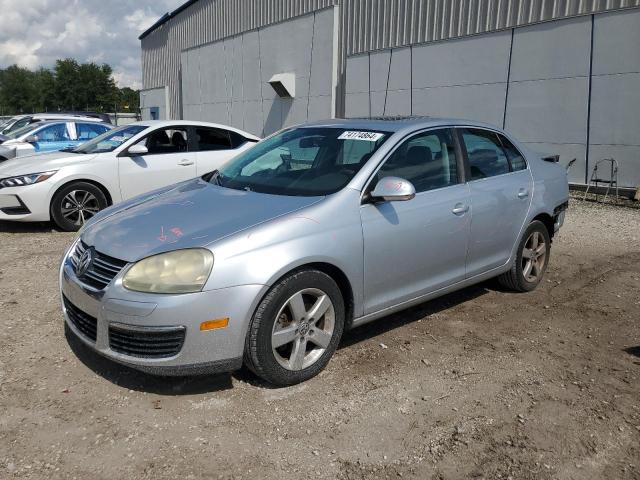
[(531, 260), (296, 328), (76, 203)]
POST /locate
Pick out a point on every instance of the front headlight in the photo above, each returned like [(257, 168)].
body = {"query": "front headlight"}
[(181, 271), (29, 179)]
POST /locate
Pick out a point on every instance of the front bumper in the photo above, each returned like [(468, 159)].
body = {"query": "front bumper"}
[(116, 308), (29, 203)]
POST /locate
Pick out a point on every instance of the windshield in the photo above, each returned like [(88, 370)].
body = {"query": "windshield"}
[(109, 141), (21, 131), (314, 161)]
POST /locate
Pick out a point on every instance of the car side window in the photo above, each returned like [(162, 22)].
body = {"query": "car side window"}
[(428, 160), (515, 157), (87, 131), (53, 133), (167, 140), (208, 139), (486, 156)]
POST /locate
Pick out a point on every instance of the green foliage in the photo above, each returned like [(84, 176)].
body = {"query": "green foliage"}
[(69, 86)]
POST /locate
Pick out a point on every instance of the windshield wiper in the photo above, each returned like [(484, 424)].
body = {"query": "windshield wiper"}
[(214, 177)]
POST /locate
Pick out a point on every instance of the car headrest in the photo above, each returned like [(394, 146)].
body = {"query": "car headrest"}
[(419, 154), (178, 140)]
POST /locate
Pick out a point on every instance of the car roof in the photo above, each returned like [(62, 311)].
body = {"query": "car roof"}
[(64, 116), (398, 124), (177, 123)]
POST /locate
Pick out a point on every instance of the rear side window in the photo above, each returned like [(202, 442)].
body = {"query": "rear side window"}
[(87, 131), (212, 139), (486, 156), (238, 140), (515, 157)]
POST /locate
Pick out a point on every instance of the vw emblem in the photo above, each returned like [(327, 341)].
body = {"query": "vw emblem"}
[(85, 262)]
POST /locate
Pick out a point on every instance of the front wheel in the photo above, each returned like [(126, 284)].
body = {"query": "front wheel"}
[(531, 259), (76, 203), (296, 328)]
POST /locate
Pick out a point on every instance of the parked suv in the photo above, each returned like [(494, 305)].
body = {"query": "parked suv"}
[(316, 229)]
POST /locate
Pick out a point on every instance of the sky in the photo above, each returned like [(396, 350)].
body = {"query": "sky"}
[(35, 33)]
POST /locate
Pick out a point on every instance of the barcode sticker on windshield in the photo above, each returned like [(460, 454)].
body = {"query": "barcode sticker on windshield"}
[(366, 136)]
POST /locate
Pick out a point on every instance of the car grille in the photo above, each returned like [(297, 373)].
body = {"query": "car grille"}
[(85, 323), (146, 343), (102, 270)]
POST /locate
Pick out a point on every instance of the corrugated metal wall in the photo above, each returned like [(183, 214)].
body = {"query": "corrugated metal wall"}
[(204, 22), (378, 24), (366, 25)]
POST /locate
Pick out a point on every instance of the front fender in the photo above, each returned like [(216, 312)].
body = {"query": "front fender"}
[(265, 253)]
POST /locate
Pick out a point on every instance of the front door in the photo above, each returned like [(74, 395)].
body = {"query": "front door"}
[(54, 137), (501, 189), (168, 161), (418, 246)]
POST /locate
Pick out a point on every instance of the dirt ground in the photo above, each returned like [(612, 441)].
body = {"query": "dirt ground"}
[(482, 383)]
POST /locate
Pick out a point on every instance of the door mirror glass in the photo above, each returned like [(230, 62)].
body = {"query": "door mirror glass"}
[(138, 150), (393, 189)]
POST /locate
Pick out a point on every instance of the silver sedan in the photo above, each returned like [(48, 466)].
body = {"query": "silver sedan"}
[(315, 230)]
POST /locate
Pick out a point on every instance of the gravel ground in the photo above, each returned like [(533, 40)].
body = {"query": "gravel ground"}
[(482, 383)]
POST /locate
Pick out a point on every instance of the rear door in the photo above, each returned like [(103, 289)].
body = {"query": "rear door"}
[(216, 146), (86, 131), (501, 189), (418, 246), (168, 161)]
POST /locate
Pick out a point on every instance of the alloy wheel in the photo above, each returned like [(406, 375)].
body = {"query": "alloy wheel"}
[(303, 329), (78, 206), (534, 256)]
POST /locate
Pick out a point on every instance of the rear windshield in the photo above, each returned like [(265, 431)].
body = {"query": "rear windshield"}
[(307, 161)]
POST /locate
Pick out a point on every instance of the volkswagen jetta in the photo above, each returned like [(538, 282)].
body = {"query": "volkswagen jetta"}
[(319, 228)]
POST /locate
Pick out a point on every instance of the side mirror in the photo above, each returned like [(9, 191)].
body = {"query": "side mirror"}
[(137, 150), (393, 189), (31, 139)]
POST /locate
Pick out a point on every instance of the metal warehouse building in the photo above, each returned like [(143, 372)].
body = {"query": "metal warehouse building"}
[(561, 75)]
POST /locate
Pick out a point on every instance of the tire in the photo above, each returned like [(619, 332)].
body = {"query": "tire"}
[(69, 216), (520, 277), (276, 321)]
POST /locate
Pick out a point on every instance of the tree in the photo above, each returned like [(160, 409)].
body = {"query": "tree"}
[(16, 89), (44, 88), (69, 86)]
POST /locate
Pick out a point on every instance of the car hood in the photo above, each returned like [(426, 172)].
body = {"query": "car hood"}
[(42, 162), (192, 214), (10, 141)]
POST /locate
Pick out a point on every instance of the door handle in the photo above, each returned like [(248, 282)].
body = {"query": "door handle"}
[(460, 209), (185, 163), (523, 193)]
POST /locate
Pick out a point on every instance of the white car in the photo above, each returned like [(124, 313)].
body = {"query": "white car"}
[(46, 137), (70, 187)]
